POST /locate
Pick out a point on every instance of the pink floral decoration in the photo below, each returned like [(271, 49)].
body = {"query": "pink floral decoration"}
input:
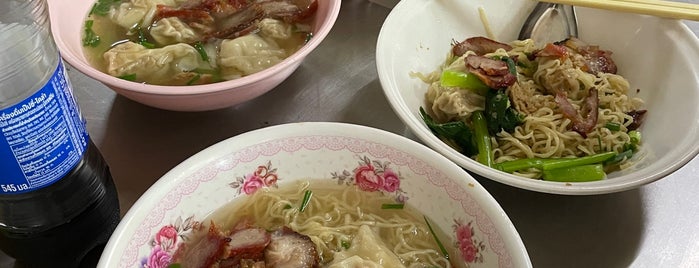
[(391, 180), (371, 176), (263, 176), (367, 179), (252, 183), (159, 258), (166, 238), (469, 246)]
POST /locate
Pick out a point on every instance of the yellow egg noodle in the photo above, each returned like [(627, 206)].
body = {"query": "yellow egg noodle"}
[(545, 133), (333, 221)]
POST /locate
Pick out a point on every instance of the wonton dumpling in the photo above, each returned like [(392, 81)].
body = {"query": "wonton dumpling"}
[(274, 28), (367, 250), (247, 55), (131, 13), (167, 62), (172, 30)]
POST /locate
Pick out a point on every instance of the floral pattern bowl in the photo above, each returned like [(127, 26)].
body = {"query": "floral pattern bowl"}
[(351, 155)]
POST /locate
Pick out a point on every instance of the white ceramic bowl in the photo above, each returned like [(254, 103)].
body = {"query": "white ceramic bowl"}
[(658, 56), (435, 186), (67, 20)]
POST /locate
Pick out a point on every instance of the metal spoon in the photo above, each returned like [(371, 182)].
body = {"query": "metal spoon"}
[(550, 23)]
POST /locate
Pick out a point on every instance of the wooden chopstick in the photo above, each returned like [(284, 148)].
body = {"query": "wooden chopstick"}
[(665, 3), (665, 9)]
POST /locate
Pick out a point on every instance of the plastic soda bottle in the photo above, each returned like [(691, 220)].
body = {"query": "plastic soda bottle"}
[(57, 198)]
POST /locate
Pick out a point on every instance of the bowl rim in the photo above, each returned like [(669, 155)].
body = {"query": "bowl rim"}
[(322, 31), (178, 174), (417, 127)]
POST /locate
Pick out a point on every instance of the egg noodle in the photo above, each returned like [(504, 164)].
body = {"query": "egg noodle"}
[(545, 132), (333, 218)]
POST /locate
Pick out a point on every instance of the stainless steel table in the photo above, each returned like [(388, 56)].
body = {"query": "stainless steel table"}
[(654, 226)]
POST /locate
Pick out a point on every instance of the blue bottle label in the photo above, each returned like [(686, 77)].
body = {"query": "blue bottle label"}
[(43, 137)]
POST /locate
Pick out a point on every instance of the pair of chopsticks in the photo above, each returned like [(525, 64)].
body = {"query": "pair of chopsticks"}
[(659, 8)]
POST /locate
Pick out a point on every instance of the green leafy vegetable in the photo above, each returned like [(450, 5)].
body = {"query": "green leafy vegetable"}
[(578, 161), (90, 38), (619, 157), (436, 239), (482, 138), (392, 206), (510, 65), (522, 164), (582, 173), (306, 199), (468, 81), (175, 265), (456, 133), (202, 52), (500, 114)]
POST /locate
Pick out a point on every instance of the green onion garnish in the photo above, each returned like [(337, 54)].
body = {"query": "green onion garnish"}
[(436, 239), (90, 38), (345, 244), (306, 198), (129, 77), (175, 265), (202, 52), (392, 206)]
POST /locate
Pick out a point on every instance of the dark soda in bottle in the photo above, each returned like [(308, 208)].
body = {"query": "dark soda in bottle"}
[(57, 197)]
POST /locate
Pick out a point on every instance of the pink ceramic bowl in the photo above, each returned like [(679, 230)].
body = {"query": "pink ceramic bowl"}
[(67, 20)]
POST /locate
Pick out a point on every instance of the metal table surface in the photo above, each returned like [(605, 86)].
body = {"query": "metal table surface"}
[(656, 225)]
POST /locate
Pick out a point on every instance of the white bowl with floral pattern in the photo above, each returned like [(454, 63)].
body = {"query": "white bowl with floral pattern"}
[(368, 158)]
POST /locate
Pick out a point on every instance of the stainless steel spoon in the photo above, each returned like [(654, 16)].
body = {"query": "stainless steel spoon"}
[(550, 23)]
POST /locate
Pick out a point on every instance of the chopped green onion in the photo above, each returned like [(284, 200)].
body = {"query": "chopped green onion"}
[(306, 199), (90, 38), (635, 137), (202, 52), (129, 77), (345, 244), (582, 173), (392, 206), (175, 265), (436, 239), (451, 78), (613, 126), (287, 206)]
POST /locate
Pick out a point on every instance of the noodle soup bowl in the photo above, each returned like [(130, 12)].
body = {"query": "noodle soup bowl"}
[(67, 20), (181, 205), (657, 57)]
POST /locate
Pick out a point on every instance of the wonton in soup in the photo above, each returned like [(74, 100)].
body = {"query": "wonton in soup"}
[(189, 42), (319, 225)]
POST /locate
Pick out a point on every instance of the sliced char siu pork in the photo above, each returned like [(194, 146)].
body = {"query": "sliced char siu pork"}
[(289, 249)]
